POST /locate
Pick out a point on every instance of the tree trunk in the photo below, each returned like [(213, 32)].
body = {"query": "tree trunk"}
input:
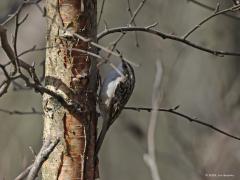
[(72, 75)]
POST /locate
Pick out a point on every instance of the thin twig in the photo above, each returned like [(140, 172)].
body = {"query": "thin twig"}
[(20, 7), (212, 9), (7, 48), (216, 13), (134, 23), (99, 57), (67, 103), (133, 16), (33, 49), (17, 26), (104, 49), (141, 4), (6, 83), (88, 53), (33, 152), (101, 12), (186, 117), (42, 156), (18, 112), (24, 174)]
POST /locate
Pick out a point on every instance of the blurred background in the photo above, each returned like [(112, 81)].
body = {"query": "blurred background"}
[(205, 86)]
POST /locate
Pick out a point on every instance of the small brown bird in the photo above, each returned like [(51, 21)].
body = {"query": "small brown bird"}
[(115, 92)]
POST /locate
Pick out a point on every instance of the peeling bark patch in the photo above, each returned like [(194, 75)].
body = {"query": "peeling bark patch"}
[(65, 53), (80, 68), (68, 9), (75, 142)]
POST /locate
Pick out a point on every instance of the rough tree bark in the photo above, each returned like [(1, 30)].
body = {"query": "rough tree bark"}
[(73, 75)]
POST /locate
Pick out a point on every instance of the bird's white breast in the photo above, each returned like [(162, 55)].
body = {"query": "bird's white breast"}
[(111, 89)]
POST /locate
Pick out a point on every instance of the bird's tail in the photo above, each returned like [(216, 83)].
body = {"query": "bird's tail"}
[(100, 139)]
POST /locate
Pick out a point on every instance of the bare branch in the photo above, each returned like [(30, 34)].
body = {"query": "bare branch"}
[(186, 117), (20, 7), (24, 174), (104, 49), (7, 48), (6, 83), (33, 49), (32, 170), (4, 87), (88, 53), (166, 36), (212, 9), (134, 23), (31, 70), (133, 16), (97, 56), (101, 12), (216, 13), (42, 156), (17, 26), (141, 4), (17, 112), (72, 106), (67, 103)]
